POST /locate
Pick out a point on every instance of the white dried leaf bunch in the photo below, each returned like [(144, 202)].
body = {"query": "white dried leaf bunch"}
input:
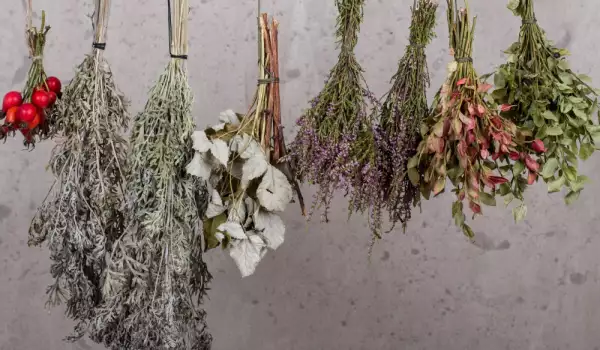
[(246, 192)]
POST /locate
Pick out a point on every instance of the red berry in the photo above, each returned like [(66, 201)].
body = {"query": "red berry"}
[(52, 96), (538, 146), (531, 178), (54, 84), (27, 113), (41, 99), (11, 99)]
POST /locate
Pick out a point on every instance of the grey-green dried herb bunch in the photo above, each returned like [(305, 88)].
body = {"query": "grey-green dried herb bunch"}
[(542, 94), (403, 110), (335, 147), (82, 214), (156, 278)]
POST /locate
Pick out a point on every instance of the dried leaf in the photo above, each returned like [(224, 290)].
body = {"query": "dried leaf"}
[(199, 167), (229, 117), (220, 151), (248, 253), (201, 142), (233, 229), (271, 227), (254, 167), (215, 206), (274, 192)]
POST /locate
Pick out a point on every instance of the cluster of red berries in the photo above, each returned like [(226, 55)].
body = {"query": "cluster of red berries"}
[(29, 117)]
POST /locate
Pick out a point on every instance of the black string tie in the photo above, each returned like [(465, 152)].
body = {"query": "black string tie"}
[(529, 21), (99, 46), (464, 60), (183, 57)]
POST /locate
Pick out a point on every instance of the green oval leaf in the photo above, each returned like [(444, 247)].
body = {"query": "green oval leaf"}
[(549, 168), (519, 212), (586, 150), (414, 176), (554, 131), (487, 199), (571, 197), (549, 115), (556, 185), (518, 168)]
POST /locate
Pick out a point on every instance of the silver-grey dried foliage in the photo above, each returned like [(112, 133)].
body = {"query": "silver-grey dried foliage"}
[(82, 214), (157, 278)]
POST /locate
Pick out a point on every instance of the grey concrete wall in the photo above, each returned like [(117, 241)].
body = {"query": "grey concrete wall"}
[(530, 286)]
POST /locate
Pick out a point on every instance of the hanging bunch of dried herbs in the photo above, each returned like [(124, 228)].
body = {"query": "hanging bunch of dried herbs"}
[(403, 110), (336, 146), (81, 215), (156, 277), (242, 159), (464, 139), (542, 94), (32, 112)]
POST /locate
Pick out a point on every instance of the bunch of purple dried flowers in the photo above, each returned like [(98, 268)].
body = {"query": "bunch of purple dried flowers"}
[(403, 110), (336, 145)]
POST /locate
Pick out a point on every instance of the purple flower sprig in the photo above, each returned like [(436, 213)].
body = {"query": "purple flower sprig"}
[(337, 146), (347, 161), (402, 113)]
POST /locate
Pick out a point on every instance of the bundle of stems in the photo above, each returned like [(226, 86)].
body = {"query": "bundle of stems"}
[(541, 93), (464, 138), (403, 110), (82, 214), (265, 112), (336, 147), (156, 277), (36, 76)]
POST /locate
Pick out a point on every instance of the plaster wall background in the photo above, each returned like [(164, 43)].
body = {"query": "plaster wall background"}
[(534, 286)]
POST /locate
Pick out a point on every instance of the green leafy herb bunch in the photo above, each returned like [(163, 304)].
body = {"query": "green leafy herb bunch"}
[(541, 93)]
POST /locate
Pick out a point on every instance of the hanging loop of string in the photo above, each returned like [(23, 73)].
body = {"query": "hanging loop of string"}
[(170, 23)]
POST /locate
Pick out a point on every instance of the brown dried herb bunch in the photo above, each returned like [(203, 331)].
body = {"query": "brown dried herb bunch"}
[(403, 110), (82, 213), (156, 277), (464, 139)]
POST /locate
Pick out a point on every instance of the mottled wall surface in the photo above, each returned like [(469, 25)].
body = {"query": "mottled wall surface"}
[(535, 285)]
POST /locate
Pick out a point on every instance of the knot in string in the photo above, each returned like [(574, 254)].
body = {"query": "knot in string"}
[(464, 59)]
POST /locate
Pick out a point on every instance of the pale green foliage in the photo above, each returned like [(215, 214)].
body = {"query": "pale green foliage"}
[(81, 216), (156, 278)]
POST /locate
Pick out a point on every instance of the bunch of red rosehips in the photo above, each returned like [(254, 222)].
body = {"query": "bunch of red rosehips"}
[(29, 117)]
